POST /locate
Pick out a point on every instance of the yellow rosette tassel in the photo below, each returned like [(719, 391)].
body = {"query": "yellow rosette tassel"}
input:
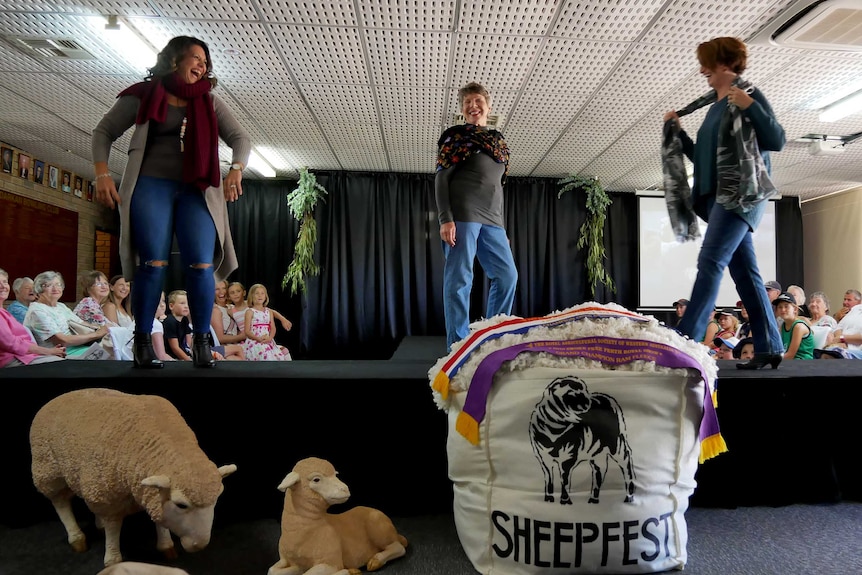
[(468, 427)]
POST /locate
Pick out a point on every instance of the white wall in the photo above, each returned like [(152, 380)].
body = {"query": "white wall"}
[(832, 247)]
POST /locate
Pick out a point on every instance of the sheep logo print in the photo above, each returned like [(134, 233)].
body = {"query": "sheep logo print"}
[(570, 426)]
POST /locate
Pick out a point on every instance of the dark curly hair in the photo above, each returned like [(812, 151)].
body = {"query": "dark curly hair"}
[(725, 51), (174, 52)]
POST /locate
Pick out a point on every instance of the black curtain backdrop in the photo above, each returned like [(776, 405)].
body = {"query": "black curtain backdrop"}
[(382, 261)]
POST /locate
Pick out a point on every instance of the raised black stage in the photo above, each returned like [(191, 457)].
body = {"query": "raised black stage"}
[(791, 432)]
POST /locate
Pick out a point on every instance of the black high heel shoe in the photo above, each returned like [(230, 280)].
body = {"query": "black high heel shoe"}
[(143, 353), (761, 360), (202, 353)]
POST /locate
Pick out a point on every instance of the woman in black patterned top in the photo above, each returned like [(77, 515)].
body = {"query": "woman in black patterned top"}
[(472, 165)]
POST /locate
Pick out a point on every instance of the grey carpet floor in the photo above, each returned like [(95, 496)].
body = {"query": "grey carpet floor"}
[(791, 540)]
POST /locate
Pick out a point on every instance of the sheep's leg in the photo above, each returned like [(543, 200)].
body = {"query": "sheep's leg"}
[(113, 525), (281, 567), (390, 552), (324, 569), (165, 543), (63, 506)]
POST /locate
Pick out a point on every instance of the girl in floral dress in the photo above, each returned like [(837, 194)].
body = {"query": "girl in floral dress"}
[(260, 327)]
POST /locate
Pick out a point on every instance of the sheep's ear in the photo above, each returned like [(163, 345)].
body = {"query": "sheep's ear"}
[(289, 481), (226, 470), (162, 481)]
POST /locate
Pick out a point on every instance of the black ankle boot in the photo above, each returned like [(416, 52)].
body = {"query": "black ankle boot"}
[(143, 353), (761, 360), (202, 353)]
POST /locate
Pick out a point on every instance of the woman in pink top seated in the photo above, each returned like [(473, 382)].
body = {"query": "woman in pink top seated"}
[(16, 345)]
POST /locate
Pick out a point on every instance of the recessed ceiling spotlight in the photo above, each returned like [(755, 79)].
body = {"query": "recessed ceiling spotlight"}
[(231, 52)]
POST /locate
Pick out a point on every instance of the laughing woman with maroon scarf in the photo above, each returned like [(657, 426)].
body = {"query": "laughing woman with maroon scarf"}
[(172, 184)]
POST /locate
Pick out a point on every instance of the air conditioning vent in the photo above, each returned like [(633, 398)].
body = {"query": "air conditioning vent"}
[(56, 48), (816, 25)]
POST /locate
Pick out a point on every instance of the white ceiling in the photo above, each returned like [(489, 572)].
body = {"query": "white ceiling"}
[(368, 85)]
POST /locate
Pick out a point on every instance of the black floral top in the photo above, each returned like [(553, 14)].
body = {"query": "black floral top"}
[(458, 143)]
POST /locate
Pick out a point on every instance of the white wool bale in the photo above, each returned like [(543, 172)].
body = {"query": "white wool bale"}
[(582, 399)]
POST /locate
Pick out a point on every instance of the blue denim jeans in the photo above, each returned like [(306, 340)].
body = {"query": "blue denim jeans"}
[(491, 246), (728, 244), (160, 208)]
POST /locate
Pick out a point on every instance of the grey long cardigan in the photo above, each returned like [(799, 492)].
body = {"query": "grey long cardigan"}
[(114, 124)]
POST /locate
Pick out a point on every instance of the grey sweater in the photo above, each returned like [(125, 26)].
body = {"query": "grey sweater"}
[(471, 191)]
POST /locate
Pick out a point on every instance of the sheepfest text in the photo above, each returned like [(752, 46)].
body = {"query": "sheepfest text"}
[(564, 545)]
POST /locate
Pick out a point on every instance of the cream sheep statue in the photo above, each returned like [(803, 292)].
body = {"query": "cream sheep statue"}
[(132, 568), (121, 454), (314, 542)]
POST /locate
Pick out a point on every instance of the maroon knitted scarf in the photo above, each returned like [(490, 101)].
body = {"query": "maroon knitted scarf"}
[(200, 158)]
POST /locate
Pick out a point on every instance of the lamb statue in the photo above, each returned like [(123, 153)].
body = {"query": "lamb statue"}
[(121, 454), (314, 542)]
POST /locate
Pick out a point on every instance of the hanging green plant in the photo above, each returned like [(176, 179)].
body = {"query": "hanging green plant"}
[(302, 202), (592, 231)]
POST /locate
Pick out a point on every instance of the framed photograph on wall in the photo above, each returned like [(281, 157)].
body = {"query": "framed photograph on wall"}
[(7, 160), (66, 183), (79, 187), (91, 190), (24, 167), (39, 172), (53, 176)]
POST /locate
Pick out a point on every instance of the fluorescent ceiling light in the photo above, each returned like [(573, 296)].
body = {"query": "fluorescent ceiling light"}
[(843, 107), (273, 158), (260, 165), (124, 42)]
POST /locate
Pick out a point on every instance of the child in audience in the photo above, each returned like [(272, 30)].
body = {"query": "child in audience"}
[(158, 334), (795, 333), (222, 321), (259, 344), (725, 346), (236, 294), (177, 327), (744, 349)]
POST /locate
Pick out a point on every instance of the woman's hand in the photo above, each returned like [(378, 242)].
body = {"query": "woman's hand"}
[(739, 98), (233, 185), (106, 191), (671, 116)]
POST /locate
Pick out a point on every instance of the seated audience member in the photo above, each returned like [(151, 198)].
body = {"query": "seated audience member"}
[(95, 286), (222, 320), (818, 307), (24, 296), (724, 346), (177, 327), (158, 334), (118, 307), (744, 349), (48, 318), (799, 295), (17, 348), (237, 295), (728, 323), (712, 329), (795, 333), (260, 323), (744, 329), (852, 298), (773, 288), (846, 341), (679, 308)]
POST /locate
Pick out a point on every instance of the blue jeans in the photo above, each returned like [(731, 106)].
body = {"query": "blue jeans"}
[(490, 244), (160, 208), (728, 244)]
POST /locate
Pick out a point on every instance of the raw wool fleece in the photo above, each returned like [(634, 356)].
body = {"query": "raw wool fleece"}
[(105, 459), (580, 465)]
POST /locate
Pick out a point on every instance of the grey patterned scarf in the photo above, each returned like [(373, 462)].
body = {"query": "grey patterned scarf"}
[(743, 180)]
